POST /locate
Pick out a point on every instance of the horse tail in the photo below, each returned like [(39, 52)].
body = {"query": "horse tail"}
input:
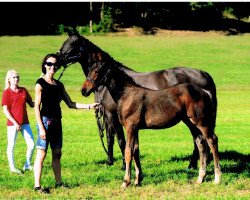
[(211, 89), (210, 112)]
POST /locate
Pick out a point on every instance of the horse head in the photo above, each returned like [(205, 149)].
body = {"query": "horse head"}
[(72, 49), (97, 76)]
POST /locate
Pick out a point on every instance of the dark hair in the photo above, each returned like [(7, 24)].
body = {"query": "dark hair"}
[(48, 56)]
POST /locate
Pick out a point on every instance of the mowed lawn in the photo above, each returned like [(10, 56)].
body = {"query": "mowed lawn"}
[(164, 153)]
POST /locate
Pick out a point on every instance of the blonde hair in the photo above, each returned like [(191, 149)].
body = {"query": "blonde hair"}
[(8, 76)]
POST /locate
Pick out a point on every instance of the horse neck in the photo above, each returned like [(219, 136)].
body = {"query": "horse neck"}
[(85, 67), (86, 61), (119, 83)]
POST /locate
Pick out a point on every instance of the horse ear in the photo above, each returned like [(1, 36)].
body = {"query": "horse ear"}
[(99, 56), (72, 31), (94, 57), (75, 31), (69, 31)]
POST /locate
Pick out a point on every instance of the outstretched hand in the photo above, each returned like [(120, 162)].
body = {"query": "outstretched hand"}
[(95, 105)]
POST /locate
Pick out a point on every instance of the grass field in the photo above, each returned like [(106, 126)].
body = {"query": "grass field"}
[(164, 153)]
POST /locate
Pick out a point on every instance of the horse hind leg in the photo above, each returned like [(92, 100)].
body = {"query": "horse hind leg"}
[(200, 142), (136, 157), (213, 144), (195, 156), (212, 141)]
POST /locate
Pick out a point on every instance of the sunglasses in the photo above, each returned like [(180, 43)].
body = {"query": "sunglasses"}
[(50, 64), (17, 77)]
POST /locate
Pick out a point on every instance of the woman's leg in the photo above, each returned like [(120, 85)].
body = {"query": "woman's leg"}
[(56, 164), (11, 134), (38, 165), (29, 139)]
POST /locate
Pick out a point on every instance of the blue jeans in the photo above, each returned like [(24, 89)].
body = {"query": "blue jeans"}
[(53, 129)]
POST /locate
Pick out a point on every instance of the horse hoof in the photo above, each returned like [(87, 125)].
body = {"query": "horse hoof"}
[(198, 182), (217, 178), (139, 180), (192, 166), (125, 184), (123, 167), (109, 163), (137, 184)]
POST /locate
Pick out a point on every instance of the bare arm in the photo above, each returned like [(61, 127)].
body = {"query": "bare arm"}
[(75, 105), (9, 116), (29, 99), (31, 103), (38, 94)]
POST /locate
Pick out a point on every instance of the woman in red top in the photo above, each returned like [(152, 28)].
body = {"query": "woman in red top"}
[(14, 101)]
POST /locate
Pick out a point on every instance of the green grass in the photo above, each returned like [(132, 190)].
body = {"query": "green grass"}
[(164, 153)]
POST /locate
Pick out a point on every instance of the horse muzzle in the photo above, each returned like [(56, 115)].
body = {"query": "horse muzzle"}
[(86, 92)]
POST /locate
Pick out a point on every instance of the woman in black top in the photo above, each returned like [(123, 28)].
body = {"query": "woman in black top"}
[(48, 94)]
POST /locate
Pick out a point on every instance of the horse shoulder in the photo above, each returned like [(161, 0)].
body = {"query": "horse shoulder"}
[(130, 106)]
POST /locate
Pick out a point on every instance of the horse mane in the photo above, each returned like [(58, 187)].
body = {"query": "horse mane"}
[(105, 55), (120, 67), (112, 63)]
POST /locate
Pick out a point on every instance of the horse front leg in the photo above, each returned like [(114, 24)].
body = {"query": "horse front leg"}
[(128, 157), (200, 142), (110, 134), (120, 139), (138, 170)]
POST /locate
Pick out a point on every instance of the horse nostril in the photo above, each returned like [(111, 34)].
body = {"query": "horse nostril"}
[(83, 91)]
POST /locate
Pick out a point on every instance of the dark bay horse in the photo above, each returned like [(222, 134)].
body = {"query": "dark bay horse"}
[(143, 108), (79, 49)]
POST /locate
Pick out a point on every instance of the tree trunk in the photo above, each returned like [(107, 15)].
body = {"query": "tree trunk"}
[(91, 18), (102, 10)]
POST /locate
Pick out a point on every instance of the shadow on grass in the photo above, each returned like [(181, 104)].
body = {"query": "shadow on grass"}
[(241, 161), (232, 162)]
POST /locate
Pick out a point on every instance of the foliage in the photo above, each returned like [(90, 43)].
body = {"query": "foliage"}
[(240, 10), (164, 153), (201, 16), (106, 23), (60, 29)]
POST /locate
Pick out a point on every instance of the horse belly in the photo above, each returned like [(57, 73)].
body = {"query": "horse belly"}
[(161, 119)]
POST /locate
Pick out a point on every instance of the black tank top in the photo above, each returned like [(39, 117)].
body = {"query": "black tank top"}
[(51, 97)]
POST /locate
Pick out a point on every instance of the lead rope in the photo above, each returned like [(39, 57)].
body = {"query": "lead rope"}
[(64, 68), (99, 114)]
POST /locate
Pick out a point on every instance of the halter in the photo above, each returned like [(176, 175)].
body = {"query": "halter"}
[(74, 58), (104, 79)]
